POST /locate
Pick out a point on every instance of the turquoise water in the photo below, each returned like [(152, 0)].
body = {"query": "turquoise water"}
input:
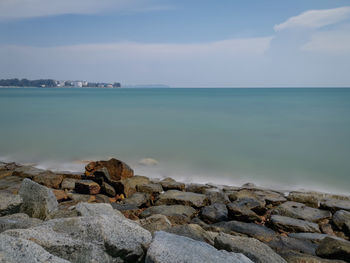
[(274, 137)]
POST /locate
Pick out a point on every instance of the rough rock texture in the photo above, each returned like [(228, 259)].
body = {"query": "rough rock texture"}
[(214, 213), (150, 188), (243, 209), (130, 184), (170, 248), (342, 220), (27, 171), (332, 248), (87, 187), (293, 225), (155, 223), (68, 183), (9, 203), (197, 188), (49, 179), (335, 205), (301, 211), (17, 221), (11, 184), (60, 195), (305, 198), (86, 209), (257, 251), (295, 257), (171, 184), (138, 199), (117, 170), (108, 189), (177, 214), (17, 250), (216, 195), (193, 231), (315, 237), (38, 200), (175, 197), (282, 244)]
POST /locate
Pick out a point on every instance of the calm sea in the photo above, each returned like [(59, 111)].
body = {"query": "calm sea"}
[(291, 138)]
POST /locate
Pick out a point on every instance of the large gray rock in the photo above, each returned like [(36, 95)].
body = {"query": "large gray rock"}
[(216, 195), (28, 171), (175, 197), (301, 211), (9, 203), (17, 221), (257, 251), (171, 184), (335, 205), (193, 231), (293, 225), (342, 220), (315, 237), (283, 243), (38, 200), (155, 223), (332, 248), (243, 209), (17, 250), (138, 199), (170, 248), (87, 209), (214, 213), (314, 199)]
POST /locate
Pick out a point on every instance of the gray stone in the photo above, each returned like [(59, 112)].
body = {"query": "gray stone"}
[(293, 225), (9, 203), (150, 188), (177, 214), (171, 184), (216, 195), (130, 184), (334, 205), (124, 207), (155, 223), (17, 250), (301, 211), (282, 244), (38, 200), (87, 209), (342, 220), (138, 199), (68, 183), (214, 213), (17, 221), (270, 197), (175, 197), (296, 257), (49, 179), (108, 189), (257, 251), (315, 237), (170, 248), (332, 248), (27, 171), (197, 188), (193, 231), (244, 209), (79, 197)]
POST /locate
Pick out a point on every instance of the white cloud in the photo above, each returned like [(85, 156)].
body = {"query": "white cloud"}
[(17, 9), (315, 18)]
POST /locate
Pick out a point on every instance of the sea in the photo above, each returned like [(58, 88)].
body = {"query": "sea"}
[(283, 138)]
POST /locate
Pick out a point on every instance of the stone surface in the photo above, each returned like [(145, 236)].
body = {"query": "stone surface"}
[(10, 184), (150, 188), (60, 195), (192, 231), (38, 200), (282, 244), (295, 257), (130, 184), (197, 188), (9, 203), (49, 179), (117, 169), (214, 213), (87, 209), (68, 183), (293, 225), (155, 223), (138, 199), (301, 211), (27, 171), (342, 220), (108, 189), (175, 197), (332, 248), (335, 205), (315, 237), (80, 197), (87, 187), (170, 248), (252, 248), (305, 198), (243, 209), (171, 184), (16, 250), (177, 214), (17, 221), (216, 195)]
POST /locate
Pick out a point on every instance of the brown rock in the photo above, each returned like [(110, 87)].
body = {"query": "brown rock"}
[(117, 169), (68, 183), (87, 187), (130, 184), (61, 195), (49, 179)]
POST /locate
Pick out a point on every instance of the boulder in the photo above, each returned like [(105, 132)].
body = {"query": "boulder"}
[(150, 188), (252, 248), (314, 237), (342, 220), (306, 198), (87, 187), (49, 179), (169, 248), (243, 209), (334, 205), (171, 184), (10, 184), (192, 231), (87, 209), (216, 195), (17, 221), (296, 257), (60, 195), (117, 170), (130, 185), (38, 200), (124, 207), (108, 189), (332, 248), (138, 199), (27, 172), (301, 211), (68, 183), (177, 214), (293, 225), (9, 203), (80, 197), (197, 188), (281, 244), (270, 197), (175, 197), (214, 213), (17, 250), (155, 223)]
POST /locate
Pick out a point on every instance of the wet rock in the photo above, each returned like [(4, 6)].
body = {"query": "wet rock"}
[(138, 199), (334, 205), (342, 220), (130, 184), (17, 221), (243, 209), (49, 179), (155, 223), (259, 232), (293, 225), (87, 187), (9, 203), (332, 248), (192, 231), (68, 183), (171, 184), (282, 244), (38, 200), (108, 189), (150, 188), (216, 195), (16, 250), (173, 197), (214, 213), (169, 248), (252, 248), (117, 170), (301, 211)]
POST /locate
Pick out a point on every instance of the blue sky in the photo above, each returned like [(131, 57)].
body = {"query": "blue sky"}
[(179, 43)]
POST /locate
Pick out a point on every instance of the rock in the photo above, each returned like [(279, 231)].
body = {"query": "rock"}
[(124, 207), (9, 203), (282, 244), (27, 172), (197, 188), (130, 184), (87, 187), (68, 183), (100, 198), (327, 229), (49, 179), (243, 209), (17, 221), (138, 199), (293, 225), (295, 257), (108, 189), (104, 238), (60, 195), (171, 184), (38, 200), (16, 250), (252, 248), (314, 237), (248, 185), (148, 162), (87, 209), (332, 248), (301, 211), (215, 195), (306, 198), (80, 197), (214, 213), (155, 223), (192, 231), (259, 232), (175, 197), (150, 188), (270, 197), (177, 214), (169, 248), (10, 184), (117, 170), (334, 205), (342, 220)]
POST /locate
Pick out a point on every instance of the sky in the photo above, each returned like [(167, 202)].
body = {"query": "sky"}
[(180, 43)]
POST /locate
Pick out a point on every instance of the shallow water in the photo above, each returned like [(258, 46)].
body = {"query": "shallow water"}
[(274, 137)]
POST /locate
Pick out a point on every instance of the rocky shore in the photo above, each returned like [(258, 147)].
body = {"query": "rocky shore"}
[(108, 214)]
